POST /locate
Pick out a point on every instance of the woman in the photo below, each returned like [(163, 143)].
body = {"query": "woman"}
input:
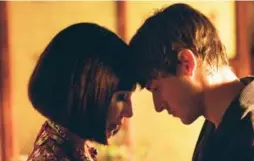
[(81, 86)]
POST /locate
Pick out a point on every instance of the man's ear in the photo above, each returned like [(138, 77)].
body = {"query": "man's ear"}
[(188, 62)]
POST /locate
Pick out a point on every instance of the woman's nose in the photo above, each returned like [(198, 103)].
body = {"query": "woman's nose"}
[(128, 112)]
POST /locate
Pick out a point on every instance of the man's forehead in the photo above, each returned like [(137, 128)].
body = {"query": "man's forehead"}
[(155, 77)]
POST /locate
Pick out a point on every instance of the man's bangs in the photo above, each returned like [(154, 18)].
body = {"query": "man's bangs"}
[(145, 66)]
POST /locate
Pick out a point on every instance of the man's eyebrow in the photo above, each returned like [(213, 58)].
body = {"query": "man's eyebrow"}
[(148, 84)]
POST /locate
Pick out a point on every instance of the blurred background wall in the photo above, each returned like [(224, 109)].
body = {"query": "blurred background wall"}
[(27, 27)]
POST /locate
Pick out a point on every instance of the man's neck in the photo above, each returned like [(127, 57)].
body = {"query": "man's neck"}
[(223, 88)]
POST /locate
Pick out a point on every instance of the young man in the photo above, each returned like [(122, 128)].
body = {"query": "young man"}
[(178, 56)]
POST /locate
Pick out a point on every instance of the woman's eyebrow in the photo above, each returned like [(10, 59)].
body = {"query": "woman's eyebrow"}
[(123, 92)]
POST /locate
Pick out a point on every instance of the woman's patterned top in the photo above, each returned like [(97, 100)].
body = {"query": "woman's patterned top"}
[(52, 144)]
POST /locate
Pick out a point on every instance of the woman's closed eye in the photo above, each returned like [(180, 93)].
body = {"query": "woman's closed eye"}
[(122, 96)]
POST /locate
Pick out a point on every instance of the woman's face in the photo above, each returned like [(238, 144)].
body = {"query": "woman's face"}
[(120, 108)]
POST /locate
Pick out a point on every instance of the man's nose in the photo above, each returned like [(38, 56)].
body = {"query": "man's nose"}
[(157, 103), (159, 108)]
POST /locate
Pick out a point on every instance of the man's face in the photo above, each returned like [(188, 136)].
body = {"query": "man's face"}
[(178, 96)]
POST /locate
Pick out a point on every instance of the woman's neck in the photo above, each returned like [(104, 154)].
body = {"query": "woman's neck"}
[(76, 141)]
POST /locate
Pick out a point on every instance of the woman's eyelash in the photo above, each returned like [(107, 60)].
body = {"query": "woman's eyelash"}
[(121, 97)]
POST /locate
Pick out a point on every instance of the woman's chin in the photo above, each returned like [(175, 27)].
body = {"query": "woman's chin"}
[(111, 132)]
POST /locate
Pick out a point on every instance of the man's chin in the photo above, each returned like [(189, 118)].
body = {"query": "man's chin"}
[(187, 121)]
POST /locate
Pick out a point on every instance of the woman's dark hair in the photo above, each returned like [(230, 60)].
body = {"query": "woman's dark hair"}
[(75, 77)]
